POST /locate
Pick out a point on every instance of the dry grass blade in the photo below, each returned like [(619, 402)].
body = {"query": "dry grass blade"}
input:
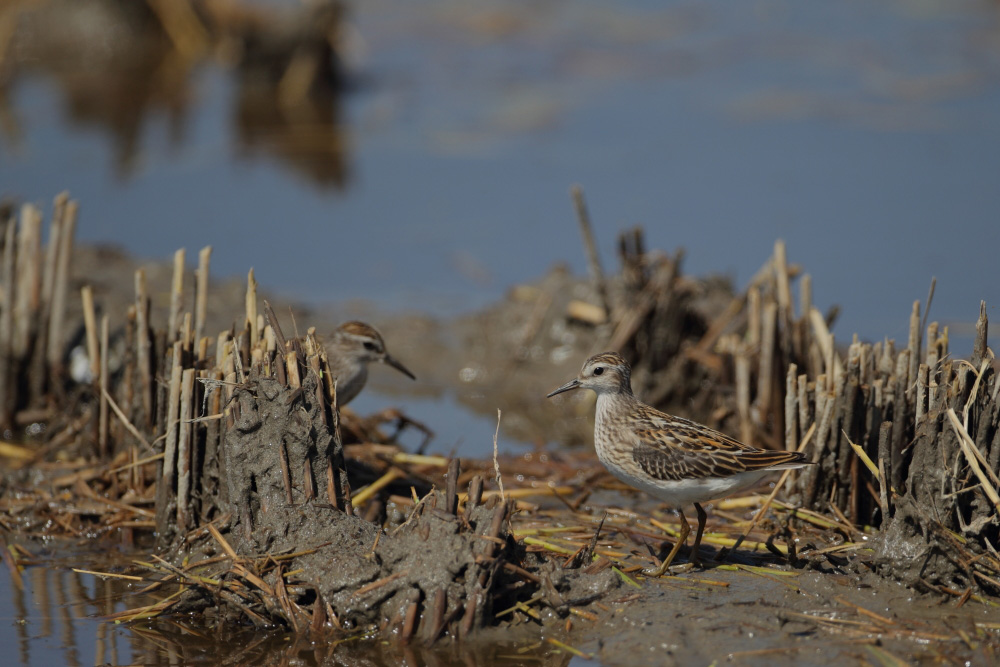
[(12, 451), (770, 498), (126, 423), (111, 575), (973, 456), (864, 458), (222, 542), (496, 461), (362, 496), (569, 649)]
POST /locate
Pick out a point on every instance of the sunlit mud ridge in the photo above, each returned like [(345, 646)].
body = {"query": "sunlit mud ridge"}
[(255, 501)]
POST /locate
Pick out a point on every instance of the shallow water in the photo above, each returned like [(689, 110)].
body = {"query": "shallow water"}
[(56, 617), (865, 134), (53, 617)]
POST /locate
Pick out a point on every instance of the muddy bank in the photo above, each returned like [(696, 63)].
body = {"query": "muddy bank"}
[(273, 508), (811, 618)]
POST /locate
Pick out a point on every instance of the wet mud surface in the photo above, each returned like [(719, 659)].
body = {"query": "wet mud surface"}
[(810, 618), (432, 569), (714, 616)]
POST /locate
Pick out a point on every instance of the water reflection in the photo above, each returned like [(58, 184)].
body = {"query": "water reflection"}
[(52, 611), (53, 615), (118, 64)]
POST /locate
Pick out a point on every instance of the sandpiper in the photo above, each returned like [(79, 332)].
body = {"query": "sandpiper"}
[(673, 459), (352, 347)]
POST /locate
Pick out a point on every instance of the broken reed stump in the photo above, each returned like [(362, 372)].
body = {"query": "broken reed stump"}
[(908, 442), (35, 285)]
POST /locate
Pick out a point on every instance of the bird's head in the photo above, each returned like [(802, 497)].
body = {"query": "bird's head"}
[(605, 373)]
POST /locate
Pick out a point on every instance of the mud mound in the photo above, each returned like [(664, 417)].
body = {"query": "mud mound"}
[(301, 558)]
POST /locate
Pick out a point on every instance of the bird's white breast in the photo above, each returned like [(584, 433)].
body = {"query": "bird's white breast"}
[(614, 449), (351, 378)]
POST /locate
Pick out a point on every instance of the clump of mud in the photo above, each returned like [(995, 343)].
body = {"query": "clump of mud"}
[(943, 526), (300, 557)]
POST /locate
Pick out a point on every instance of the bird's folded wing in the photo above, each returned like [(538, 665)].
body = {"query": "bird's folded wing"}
[(675, 448)]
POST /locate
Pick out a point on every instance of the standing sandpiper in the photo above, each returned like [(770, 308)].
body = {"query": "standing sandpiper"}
[(352, 347), (676, 460)]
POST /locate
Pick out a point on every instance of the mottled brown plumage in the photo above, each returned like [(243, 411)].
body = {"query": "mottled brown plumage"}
[(350, 349), (674, 459)]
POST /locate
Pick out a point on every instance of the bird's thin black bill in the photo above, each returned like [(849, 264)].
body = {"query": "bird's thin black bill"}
[(572, 384), (399, 367)]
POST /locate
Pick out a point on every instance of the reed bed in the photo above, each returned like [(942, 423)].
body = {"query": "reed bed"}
[(906, 438), (264, 503)]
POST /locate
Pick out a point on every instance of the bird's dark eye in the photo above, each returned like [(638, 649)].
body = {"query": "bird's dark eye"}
[(598, 370), (369, 345)]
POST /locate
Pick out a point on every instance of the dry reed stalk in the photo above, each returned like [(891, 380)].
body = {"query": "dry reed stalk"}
[(784, 295), (7, 390), (143, 344), (286, 473), (102, 429), (185, 334), (805, 295), (309, 483), (932, 346), (765, 370), (292, 369), (184, 27), (824, 340), (133, 431), (923, 373), (753, 317), (176, 297), (221, 343), (974, 457), (38, 375), (451, 489), (791, 413), (90, 326), (914, 349), (899, 428), (320, 393), (184, 446), (201, 291), (27, 268), (214, 431), (52, 253), (593, 259), (702, 351), (805, 414), (173, 414), (251, 308), (60, 287), (742, 366)]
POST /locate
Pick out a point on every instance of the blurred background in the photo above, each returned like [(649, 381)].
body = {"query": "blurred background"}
[(416, 156)]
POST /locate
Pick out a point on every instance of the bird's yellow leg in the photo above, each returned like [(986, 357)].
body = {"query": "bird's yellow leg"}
[(685, 531)]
